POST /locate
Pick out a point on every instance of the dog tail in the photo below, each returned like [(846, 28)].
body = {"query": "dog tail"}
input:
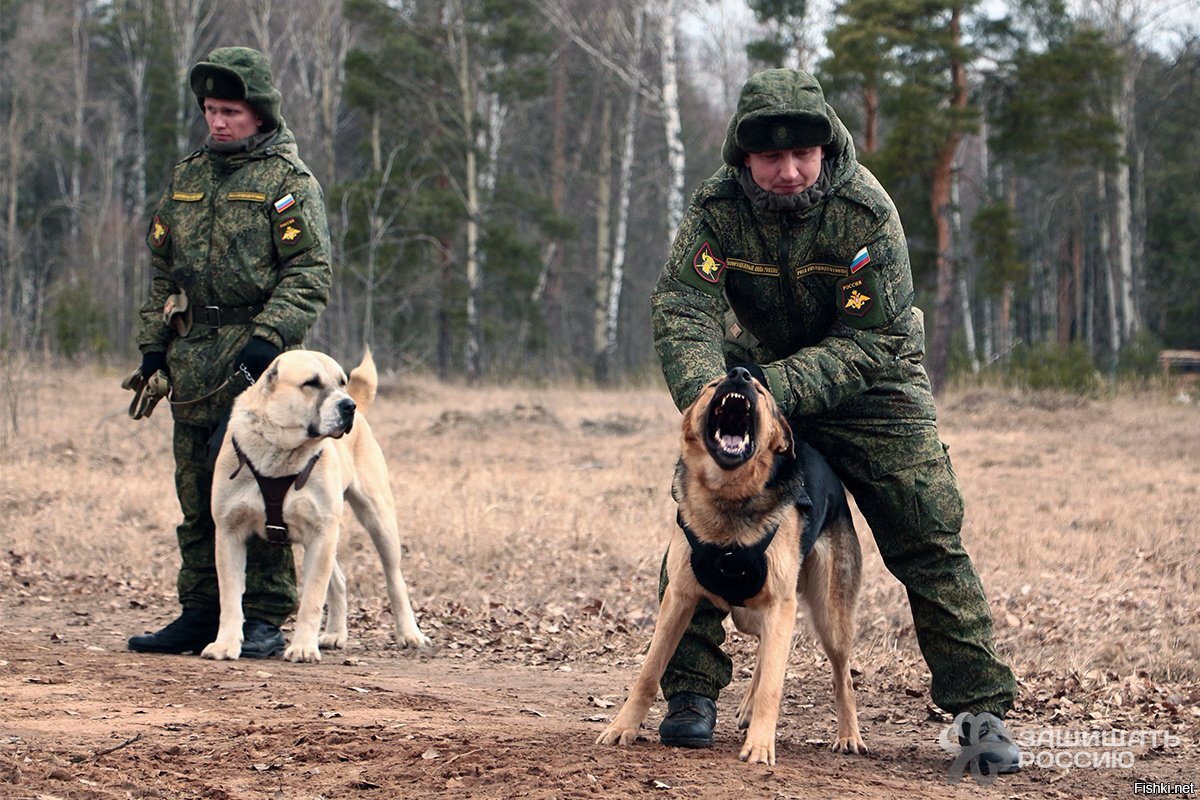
[(364, 380)]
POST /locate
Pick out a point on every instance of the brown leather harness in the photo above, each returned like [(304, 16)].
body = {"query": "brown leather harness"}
[(274, 490)]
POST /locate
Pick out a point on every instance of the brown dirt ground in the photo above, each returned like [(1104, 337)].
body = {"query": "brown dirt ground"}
[(520, 680)]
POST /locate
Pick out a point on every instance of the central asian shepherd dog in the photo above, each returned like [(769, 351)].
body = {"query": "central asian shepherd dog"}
[(763, 520), (297, 448)]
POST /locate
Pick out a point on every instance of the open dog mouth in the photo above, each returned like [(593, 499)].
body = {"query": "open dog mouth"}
[(730, 426)]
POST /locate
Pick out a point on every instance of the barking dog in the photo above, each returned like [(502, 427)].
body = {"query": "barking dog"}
[(297, 447), (762, 520)]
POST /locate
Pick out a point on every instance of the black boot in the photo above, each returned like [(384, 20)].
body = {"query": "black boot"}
[(992, 745), (189, 633), (689, 721), (261, 639)]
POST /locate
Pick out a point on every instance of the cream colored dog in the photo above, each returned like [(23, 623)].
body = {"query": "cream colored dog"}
[(300, 429)]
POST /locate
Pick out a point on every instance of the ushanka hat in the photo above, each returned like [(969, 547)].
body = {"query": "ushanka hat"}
[(238, 73), (780, 109)]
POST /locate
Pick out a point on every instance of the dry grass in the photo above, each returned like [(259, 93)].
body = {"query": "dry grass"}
[(534, 521)]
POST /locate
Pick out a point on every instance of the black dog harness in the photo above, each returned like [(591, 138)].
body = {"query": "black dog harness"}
[(274, 490), (735, 573), (731, 572)]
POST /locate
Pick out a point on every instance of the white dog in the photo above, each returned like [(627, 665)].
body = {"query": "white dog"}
[(296, 448)]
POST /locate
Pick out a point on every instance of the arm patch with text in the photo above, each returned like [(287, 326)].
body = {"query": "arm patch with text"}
[(292, 235), (860, 304)]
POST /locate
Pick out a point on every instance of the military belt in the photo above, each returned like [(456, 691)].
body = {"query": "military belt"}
[(220, 316)]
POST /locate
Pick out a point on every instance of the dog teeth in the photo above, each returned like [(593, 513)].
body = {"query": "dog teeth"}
[(732, 444)]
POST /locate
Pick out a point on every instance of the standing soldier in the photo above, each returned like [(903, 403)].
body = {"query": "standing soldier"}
[(791, 261), (240, 250)]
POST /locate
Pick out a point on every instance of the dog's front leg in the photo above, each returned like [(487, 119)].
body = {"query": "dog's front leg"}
[(230, 555), (773, 648), (673, 618), (318, 566)]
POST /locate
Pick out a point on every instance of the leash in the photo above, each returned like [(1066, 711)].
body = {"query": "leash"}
[(242, 372)]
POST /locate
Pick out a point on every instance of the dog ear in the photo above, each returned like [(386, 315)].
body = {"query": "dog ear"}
[(787, 441), (270, 378)]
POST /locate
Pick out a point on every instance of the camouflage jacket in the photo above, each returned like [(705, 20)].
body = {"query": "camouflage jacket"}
[(241, 232), (822, 297)]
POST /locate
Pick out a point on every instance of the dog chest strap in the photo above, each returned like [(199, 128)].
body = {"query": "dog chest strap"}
[(731, 572), (274, 490)]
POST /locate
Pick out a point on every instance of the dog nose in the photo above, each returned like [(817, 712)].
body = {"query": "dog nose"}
[(740, 374), (346, 407)]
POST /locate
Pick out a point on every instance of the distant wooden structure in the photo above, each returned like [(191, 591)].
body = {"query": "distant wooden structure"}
[(1184, 364)]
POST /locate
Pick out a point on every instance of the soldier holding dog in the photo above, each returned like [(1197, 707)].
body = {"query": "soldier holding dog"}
[(792, 261), (240, 251)]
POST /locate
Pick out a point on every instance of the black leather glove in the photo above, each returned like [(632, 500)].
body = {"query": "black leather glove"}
[(254, 358), (152, 363)]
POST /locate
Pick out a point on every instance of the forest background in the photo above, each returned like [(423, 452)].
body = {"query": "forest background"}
[(503, 177)]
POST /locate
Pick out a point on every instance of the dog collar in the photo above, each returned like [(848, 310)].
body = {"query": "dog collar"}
[(274, 490), (731, 572)]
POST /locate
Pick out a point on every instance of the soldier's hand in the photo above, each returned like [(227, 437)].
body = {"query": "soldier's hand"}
[(254, 358), (152, 363)]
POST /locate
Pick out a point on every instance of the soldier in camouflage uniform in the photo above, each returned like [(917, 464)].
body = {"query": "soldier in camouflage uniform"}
[(791, 260), (240, 250)]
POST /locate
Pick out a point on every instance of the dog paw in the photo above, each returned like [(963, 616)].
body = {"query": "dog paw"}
[(333, 641), (849, 744), (414, 639), (222, 651), (758, 753), (617, 734), (308, 654)]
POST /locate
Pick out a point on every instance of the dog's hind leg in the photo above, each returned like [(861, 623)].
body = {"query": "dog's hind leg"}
[(336, 632), (747, 621), (829, 582), (370, 497)]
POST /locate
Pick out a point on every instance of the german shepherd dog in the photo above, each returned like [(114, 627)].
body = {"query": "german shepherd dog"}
[(762, 520)]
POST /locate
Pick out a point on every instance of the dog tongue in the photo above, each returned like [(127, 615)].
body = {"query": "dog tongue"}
[(733, 444)]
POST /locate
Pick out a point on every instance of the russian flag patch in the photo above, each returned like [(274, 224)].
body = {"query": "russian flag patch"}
[(861, 259), (287, 201)]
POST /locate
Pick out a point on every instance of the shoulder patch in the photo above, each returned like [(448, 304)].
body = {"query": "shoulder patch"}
[(704, 268), (858, 301), (159, 237), (292, 236), (707, 265), (284, 203)]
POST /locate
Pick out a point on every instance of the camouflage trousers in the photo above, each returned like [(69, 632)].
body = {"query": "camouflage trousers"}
[(910, 498), (270, 570)]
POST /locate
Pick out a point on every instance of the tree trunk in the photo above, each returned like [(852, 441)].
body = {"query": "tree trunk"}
[(603, 237), (939, 349), (676, 158)]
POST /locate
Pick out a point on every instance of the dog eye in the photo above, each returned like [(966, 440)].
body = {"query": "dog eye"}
[(312, 383)]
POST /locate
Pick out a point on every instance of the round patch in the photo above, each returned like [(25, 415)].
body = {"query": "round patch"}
[(781, 135), (208, 84)]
